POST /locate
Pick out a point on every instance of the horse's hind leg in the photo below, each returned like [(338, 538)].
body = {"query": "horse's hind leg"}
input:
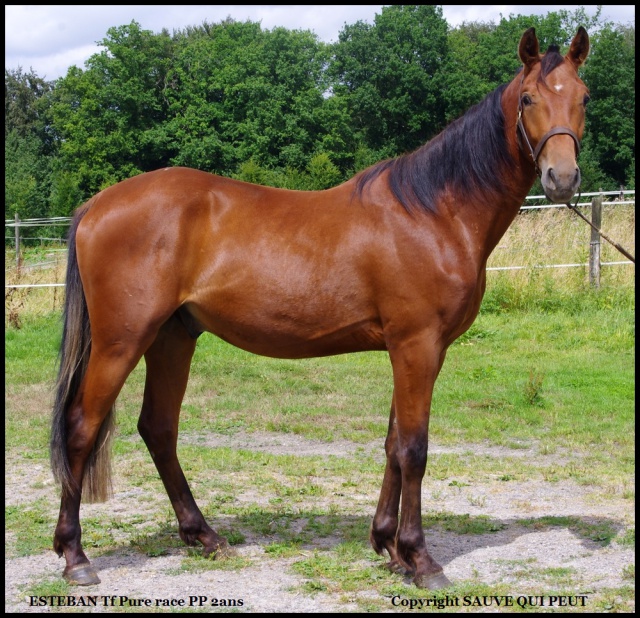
[(106, 372), (168, 361)]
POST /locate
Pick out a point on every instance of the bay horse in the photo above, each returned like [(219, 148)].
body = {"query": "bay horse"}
[(393, 259)]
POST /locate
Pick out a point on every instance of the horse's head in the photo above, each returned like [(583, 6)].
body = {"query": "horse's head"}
[(551, 112)]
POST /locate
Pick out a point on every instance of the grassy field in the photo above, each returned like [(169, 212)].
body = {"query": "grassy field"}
[(510, 379), (546, 371)]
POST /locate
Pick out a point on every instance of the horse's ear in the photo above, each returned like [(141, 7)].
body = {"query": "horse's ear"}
[(529, 49), (579, 48)]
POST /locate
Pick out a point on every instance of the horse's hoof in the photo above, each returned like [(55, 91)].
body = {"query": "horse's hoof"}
[(432, 581), (81, 575)]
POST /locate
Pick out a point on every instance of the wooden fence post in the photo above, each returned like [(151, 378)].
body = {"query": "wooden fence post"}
[(594, 245), (17, 241)]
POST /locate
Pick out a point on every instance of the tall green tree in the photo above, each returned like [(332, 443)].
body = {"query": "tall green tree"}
[(246, 93), (610, 127), (27, 150), (23, 92), (391, 75), (109, 119)]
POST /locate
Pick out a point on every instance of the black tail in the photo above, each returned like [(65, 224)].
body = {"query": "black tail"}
[(73, 358)]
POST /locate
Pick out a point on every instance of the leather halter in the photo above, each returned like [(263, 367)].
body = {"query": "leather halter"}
[(550, 133)]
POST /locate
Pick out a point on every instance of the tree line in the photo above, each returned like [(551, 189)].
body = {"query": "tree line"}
[(282, 108)]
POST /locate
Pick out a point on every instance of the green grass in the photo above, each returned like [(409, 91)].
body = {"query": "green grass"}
[(32, 527)]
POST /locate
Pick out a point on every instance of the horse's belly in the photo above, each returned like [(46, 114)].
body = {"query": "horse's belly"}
[(290, 334)]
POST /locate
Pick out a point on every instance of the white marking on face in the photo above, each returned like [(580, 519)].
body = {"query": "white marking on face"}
[(558, 87)]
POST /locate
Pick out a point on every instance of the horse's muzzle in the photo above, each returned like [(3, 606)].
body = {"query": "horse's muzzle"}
[(560, 183)]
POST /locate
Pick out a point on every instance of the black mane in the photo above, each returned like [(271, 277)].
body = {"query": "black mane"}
[(466, 155)]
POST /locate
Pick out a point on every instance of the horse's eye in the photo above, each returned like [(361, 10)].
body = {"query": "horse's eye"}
[(586, 99), (526, 99)]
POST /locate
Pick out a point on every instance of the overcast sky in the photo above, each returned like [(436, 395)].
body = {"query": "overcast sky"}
[(50, 39)]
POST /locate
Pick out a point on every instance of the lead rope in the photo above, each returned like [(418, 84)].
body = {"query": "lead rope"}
[(611, 242)]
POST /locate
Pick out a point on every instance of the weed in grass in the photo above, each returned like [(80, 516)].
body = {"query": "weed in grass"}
[(221, 499), (341, 570), (51, 587), (616, 600), (95, 533), (283, 549), (475, 334), (517, 444), (551, 474), (195, 562), (558, 576), (458, 484), (313, 586), (485, 372), (157, 543), (302, 489), (547, 449), (322, 526), (479, 501), (629, 572), (629, 494), (234, 537), (264, 522), (533, 389)]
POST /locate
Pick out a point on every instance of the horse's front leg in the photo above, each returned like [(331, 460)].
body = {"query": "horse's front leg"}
[(416, 365)]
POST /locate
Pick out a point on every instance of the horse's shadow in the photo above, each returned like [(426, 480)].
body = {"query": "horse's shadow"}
[(448, 538)]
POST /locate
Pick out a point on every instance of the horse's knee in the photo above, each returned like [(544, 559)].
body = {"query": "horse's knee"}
[(412, 455), (411, 538)]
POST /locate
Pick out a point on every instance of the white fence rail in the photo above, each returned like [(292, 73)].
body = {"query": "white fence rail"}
[(621, 198)]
